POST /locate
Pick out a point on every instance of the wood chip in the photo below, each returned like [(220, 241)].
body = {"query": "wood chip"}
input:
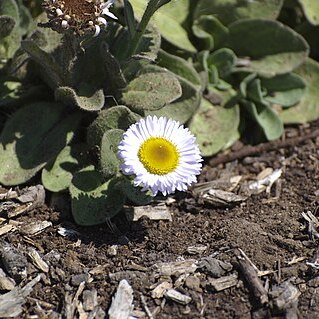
[(198, 249), (285, 298), (223, 283), (213, 266), (6, 283), (159, 212), (7, 228), (178, 297), (14, 262), (37, 260), (145, 307), (122, 302), (99, 269), (112, 250), (72, 303), (33, 194), (10, 194), (19, 210), (227, 184), (176, 268), (34, 228), (159, 291), (89, 299), (11, 302), (220, 198), (265, 180)]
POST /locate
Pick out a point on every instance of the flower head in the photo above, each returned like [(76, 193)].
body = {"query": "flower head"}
[(80, 16), (162, 155)]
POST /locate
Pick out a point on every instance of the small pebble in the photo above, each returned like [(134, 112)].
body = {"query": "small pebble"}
[(77, 279)]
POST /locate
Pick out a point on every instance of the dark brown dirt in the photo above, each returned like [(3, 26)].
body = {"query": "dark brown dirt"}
[(270, 230)]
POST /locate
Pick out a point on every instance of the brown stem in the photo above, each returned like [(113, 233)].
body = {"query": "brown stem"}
[(260, 148)]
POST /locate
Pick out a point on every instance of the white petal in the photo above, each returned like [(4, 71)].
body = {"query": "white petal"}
[(102, 20), (189, 162), (97, 30)]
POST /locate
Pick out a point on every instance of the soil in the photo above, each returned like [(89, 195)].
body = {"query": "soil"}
[(264, 233)]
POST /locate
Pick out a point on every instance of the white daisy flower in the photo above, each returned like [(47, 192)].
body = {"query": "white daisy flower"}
[(162, 155)]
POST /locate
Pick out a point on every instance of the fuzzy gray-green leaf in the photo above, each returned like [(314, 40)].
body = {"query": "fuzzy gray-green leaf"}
[(179, 67), (57, 175), (135, 194), (53, 72), (7, 24), (152, 91), (229, 11), (274, 49), (109, 162), (86, 97), (93, 200), (170, 17), (308, 108), (35, 134), (285, 90), (311, 10), (116, 117), (210, 31), (267, 119), (215, 126), (182, 109)]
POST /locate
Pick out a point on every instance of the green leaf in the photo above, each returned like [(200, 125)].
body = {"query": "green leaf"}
[(182, 109), (215, 127), (10, 8), (101, 68), (9, 91), (179, 67), (10, 43), (34, 135), (285, 90), (152, 91), (255, 92), (94, 201), (266, 118), (6, 26), (86, 98), (53, 72), (129, 18), (311, 10), (228, 11), (109, 162), (134, 193), (26, 23), (57, 175), (169, 17), (274, 49), (147, 48), (224, 60), (212, 33), (244, 84), (50, 40), (308, 108), (116, 117)]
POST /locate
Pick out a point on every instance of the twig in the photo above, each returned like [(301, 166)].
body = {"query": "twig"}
[(261, 148), (144, 304), (251, 276)]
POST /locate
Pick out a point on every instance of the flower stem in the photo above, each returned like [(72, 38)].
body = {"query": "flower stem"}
[(151, 8)]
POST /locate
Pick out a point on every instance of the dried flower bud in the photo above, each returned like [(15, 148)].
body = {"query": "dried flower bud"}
[(79, 16)]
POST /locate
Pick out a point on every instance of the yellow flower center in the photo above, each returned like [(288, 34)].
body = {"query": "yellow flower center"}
[(158, 155)]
